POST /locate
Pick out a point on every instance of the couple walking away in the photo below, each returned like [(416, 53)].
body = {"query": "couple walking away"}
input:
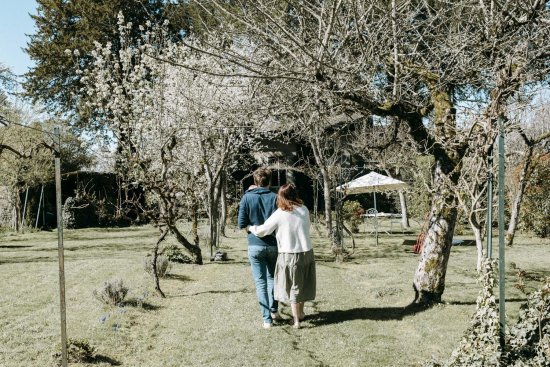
[(283, 266)]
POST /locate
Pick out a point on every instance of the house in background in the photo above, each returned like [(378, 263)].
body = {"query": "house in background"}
[(288, 157)]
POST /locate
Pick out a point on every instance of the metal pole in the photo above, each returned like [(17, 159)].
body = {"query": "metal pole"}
[(375, 219), (39, 204), (57, 144), (501, 265), (24, 211), (490, 204)]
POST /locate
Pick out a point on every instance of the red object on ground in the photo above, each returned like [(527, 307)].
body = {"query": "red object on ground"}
[(419, 245)]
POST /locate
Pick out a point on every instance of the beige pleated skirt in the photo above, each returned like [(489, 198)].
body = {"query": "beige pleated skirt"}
[(295, 279)]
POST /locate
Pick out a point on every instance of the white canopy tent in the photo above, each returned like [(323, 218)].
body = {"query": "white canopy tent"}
[(372, 182)]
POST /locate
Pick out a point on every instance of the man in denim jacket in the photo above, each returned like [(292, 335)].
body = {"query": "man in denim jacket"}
[(257, 204)]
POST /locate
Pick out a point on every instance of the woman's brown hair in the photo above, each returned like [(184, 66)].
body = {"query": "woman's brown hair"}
[(287, 198)]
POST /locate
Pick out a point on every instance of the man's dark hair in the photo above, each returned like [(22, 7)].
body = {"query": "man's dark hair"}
[(262, 177)]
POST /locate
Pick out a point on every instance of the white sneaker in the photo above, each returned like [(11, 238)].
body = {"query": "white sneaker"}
[(296, 325), (276, 316), (267, 325)]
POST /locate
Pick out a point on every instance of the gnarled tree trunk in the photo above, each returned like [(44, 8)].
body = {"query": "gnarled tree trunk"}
[(162, 236), (404, 211), (514, 216), (194, 250), (429, 279)]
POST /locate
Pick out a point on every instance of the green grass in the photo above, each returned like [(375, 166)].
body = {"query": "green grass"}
[(210, 316)]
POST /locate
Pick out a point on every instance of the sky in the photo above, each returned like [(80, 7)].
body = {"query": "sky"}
[(15, 24)]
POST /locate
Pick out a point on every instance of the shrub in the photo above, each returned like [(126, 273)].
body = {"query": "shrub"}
[(527, 343), (78, 351), (112, 292), (233, 214), (535, 213), (419, 198), (163, 265), (68, 213), (529, 339), (352, 212), (175, 255)]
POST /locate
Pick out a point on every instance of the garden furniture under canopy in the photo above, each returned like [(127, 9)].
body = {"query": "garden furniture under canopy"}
[(372, 182)]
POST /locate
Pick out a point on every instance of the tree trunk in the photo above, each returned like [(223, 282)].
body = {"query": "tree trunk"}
[(194, 250), (315, 145), (24, 215), (214, 224), (315, 201), (402, 202), (404, 212), (479, 245), (514, 216), (429, 279), (328, 201), (17, 206), (223, 205), (195, 223), (161, 238)]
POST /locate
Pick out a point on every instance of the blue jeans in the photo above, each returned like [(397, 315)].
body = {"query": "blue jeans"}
[(263, 260)]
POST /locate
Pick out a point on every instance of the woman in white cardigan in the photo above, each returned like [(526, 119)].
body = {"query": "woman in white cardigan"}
[(295, 280)]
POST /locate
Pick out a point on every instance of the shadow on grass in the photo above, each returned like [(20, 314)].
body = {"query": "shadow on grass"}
[(140, 304), (19, 260), (98, 358), (226, 262), (409, 243), (180, 277), (242, 290), (467, 303), (360, 255), (365, 313), (13, 246)]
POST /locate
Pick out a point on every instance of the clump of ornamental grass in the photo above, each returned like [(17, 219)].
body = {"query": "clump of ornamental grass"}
[(112, 292), (163, 265)]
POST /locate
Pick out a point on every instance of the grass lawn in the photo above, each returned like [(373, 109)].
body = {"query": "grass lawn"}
[(210, 316)]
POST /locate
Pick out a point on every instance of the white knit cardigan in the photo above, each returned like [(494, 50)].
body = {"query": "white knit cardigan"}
[(292, 229)]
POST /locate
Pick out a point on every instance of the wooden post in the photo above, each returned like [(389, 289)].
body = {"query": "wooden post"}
[(57, 145)]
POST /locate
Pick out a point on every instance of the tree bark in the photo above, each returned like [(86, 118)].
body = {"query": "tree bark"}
[(479, 244), (326, 182), (429, 279), (404, 211), (193, 250), (161, 238), (17, 206), (328, 201), (315, 201), (514, 216), (195, 223), (223, 204)]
